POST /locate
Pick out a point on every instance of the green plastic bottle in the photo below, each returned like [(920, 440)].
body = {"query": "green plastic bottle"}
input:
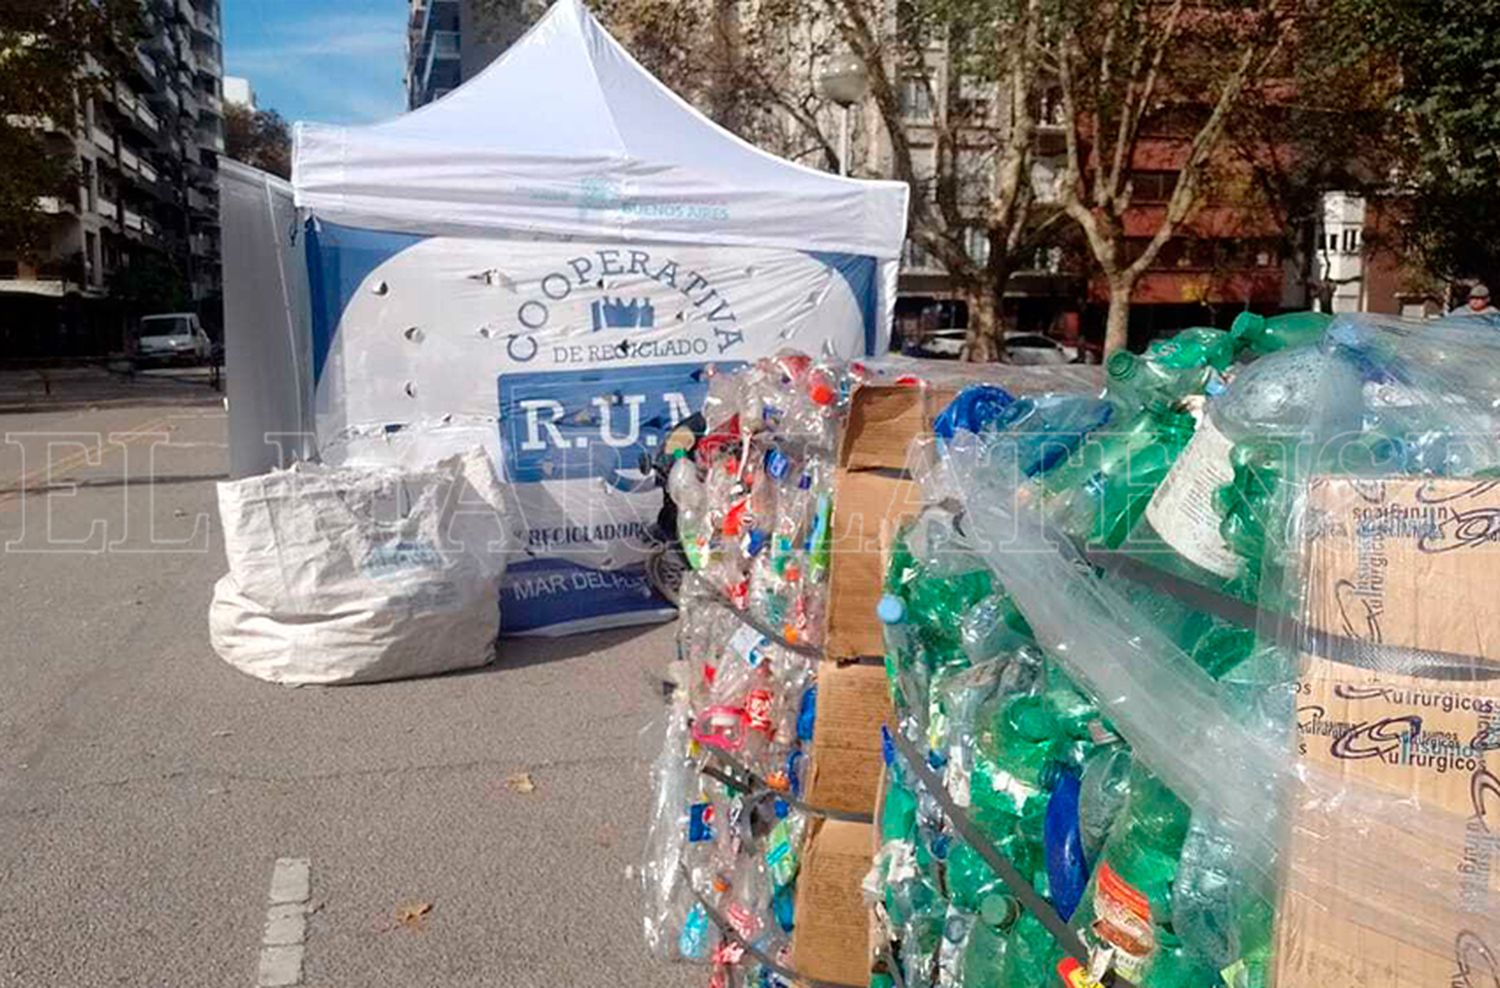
[(1098, 496), (1267, 334), (1128, 903), (1169, 370)]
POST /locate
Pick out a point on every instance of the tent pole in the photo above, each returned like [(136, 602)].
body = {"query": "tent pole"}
[(844, 141)]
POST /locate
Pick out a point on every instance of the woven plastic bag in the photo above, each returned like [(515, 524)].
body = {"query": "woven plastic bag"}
[(347, 574)]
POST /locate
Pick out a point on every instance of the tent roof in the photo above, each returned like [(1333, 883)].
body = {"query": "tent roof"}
[(566, 135)]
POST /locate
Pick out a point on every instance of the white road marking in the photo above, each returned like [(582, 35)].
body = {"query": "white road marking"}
[(283, 944)]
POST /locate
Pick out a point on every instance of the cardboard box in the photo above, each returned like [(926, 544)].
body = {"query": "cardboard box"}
[(844, 764), (873, 492), (1413, 563), (831, 941)]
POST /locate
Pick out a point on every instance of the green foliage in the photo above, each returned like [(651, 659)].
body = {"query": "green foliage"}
[(259, 138), (152, 283), (53, 55), (1444, 58)]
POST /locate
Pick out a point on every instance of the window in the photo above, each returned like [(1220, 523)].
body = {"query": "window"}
[(977, 244), (1049, 111), (1152, 186), (916, 99), (1044, 179), (915, 256), (1047, 260), (976, 99), (976, 175), (1351, 240)]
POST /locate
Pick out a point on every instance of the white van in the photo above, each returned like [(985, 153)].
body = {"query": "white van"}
[(171, 338)]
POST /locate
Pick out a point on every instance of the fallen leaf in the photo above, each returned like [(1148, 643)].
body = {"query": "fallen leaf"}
[(223, 734), (411, 915), (520, 782)]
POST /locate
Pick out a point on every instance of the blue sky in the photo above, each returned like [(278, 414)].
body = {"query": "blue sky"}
[(335, 61)]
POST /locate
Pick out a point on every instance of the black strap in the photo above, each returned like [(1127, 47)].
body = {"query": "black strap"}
[(1025, 894), (1399, 660), (742, 778), (765, 959), (750, 620)]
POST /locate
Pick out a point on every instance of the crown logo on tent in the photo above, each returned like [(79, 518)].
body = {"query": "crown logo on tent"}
[(609, 313)]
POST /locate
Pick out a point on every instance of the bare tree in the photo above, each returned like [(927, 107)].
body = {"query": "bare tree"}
[(973, 69), (1175, 71)]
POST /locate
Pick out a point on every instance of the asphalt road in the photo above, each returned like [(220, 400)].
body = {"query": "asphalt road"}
[(147, 789)]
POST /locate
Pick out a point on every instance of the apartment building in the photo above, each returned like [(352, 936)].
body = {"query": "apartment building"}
[(449, 41), (147, 156)]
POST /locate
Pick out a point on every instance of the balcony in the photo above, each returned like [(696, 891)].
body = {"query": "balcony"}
[(211, 139), (203, 245), (208, 63), (132, 221), (147, 65), (205, 23), (102, 139), (166, 97), (148, 172), (148, 119), (54, 205), (125, 99), (129, 160), (190, 104), (212, 103), (200, 202), (107, 208)]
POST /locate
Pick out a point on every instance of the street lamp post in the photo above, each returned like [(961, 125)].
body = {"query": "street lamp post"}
[(845, 82)]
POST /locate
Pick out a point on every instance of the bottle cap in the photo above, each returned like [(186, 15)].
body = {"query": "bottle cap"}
[(777, 463), (1121, 365), (735, 519), (890, 610), (821, 390)]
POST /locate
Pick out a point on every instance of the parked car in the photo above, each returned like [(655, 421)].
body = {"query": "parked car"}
[(942, 344), (171, 338), (1024, 349), (1030, 349)]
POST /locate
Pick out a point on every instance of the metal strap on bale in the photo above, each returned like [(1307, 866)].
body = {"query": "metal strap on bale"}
[(730, 933), (1025, 894), (1399, 660), (749, 620), (739, 776)]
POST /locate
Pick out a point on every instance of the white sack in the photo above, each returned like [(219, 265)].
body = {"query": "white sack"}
[(343, 575)]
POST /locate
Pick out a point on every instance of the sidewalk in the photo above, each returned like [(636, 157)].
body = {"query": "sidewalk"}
[(65, 388)]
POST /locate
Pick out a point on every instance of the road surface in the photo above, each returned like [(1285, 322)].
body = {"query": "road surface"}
[(148, 790)]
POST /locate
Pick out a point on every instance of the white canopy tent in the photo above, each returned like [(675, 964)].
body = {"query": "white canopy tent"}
[(542, 262), (566, 134)]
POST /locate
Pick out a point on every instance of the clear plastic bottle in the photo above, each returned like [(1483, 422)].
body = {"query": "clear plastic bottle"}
[(1271, 400)]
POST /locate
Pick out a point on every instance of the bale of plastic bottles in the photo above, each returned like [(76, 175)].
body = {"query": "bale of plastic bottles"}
[(754, 505), (1116, 646)]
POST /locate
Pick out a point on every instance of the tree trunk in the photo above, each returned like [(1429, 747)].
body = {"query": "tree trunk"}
[(1117, 322), (982, 345)]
